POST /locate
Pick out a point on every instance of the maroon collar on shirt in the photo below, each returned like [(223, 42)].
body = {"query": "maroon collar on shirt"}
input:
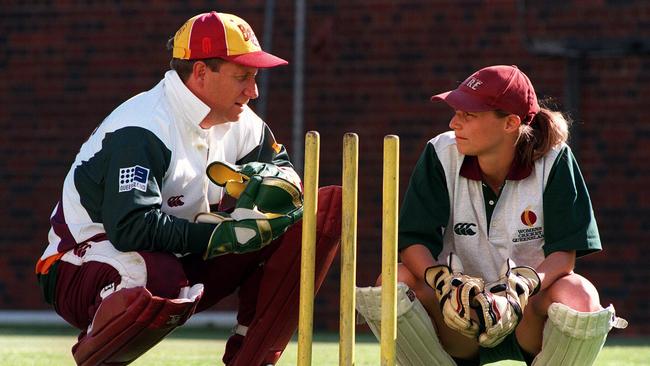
[(471, 170)]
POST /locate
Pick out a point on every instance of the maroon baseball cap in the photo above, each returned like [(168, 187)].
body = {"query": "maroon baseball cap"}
[(221, 35), (499, 87)]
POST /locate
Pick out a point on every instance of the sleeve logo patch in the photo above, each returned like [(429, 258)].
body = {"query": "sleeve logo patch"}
[(134, 177), (276, 147)]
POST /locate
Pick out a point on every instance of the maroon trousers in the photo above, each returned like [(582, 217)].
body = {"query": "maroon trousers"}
[(267, 282), (78, 287)]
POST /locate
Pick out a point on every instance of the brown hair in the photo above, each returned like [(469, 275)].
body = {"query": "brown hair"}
[(184, 67), (548, 129)]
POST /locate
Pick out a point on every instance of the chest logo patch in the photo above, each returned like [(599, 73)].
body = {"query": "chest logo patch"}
[(134, 177), (532, 232), (528, 217), (465, 228)]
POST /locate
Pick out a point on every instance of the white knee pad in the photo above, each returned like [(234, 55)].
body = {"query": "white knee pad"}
[(575, 338), (417, 343)]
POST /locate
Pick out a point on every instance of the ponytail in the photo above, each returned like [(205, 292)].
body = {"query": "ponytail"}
[(547, 129)]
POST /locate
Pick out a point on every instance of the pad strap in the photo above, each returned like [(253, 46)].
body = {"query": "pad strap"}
[(240, 329)]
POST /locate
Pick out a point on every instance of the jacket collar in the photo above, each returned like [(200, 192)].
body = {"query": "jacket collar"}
[(470, 169), (186, 106)]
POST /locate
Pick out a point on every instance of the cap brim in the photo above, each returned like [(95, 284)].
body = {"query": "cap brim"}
[(259, 59), (462, 101)]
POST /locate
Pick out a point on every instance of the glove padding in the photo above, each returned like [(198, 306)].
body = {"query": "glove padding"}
[(246, 229), (275, 192), (455, 292), (220, 170), (502, 303)]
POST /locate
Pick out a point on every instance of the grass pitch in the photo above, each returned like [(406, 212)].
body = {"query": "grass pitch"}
[(34, 346)]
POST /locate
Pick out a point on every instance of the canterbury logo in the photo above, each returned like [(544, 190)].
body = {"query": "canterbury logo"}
[(80, 250), (464, 228), (175, 201)]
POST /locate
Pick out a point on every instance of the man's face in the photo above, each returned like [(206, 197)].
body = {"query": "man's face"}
[(227, 91)]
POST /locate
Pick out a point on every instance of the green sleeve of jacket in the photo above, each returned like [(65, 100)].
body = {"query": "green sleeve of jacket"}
[(426, 209), (120, 186), (569, 222)]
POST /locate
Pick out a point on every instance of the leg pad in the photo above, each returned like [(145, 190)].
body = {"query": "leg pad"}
[(417, 342), (276, 315), (131, 321), (575, 338)]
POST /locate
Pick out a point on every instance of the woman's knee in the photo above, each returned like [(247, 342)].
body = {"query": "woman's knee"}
[(421, 289), (403, 275), (572, 290), (576, 292)]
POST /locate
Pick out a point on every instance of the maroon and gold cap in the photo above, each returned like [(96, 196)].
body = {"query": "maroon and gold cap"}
[(224, 36), (499, 87)]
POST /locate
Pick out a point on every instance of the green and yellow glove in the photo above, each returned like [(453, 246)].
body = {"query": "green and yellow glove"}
[(263, 169), (246, 229), (275, 193), (247, 233)]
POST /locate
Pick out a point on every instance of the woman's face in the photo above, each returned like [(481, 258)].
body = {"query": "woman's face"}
[(479, 133)]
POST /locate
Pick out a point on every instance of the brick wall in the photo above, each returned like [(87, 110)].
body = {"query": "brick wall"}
[(370, 68)]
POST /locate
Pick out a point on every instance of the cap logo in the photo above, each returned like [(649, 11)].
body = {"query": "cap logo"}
[(248, 34), (221, 35), (473, 83), (206, 45)]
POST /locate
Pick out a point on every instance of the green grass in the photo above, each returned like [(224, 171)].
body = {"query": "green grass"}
[(30, 346)]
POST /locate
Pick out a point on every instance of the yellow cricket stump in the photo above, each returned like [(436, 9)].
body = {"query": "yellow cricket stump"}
[(308, 251), (350, 182), (389, 250)]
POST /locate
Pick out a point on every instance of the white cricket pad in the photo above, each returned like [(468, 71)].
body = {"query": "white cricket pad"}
[(575, 338), (417, 343)]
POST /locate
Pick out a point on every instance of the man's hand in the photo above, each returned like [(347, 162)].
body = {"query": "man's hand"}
[(234, 177), (263, 169), (502, 303), (267, 187), (270, 195), (245, 230), (455, 292)]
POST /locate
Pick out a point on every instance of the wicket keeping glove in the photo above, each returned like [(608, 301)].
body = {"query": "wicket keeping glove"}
[(246, 229), (275, 193), (502, 303), (455, 293)]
